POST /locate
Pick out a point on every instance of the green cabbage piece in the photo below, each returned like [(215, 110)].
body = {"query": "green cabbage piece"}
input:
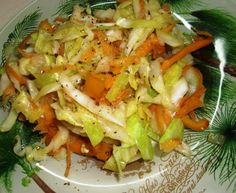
[(8, 123), (44, 43), (69, 31), (157, 22), (119, 84), (133, 82), (121, 157), (175, 130), (72, 47), (124, 10), (138, 132), (94, 131), (172, 75), (23, 104), (154, 6), (46, 78)]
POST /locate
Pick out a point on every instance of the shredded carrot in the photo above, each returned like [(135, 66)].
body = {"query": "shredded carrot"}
[(169, 145), (51, 132), (147, 46), (160, 119), (68, 160), (82, 146), (185, 51), (166, 7), (46, 26), (61, 50), (162, 116), (103, 151), (191, 103), (196, 125), (127, 92), (94, 86), (107, 47), (60, 20), (11, 72), (87, 55), (109, 80), (60, 68), (48, 119), (169, 28), (9, 91)]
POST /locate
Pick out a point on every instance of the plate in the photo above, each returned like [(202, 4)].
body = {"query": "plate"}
[(166, 173)]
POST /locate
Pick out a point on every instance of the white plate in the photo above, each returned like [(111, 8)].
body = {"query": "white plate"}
[(171, 173)]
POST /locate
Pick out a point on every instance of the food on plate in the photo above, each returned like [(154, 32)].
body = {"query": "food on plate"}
[(107, 84)]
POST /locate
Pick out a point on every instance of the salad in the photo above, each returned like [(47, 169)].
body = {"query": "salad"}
[(112, 84)]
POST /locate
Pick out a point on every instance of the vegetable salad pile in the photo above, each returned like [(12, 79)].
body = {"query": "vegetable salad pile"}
[(106, 84)]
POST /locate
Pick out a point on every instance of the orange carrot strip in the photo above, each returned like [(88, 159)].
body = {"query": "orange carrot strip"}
[(94, 86), (60, 20), (12, 73), (122, 95), (87, 56), (9, 91), (82, 146), (169, 145), (68, 160), (109, 80), (61, 50), (196, 125), (107, 47), (60, 68), (169, 28), (160, 119), (46, 26), (147, 46), (191, 103), (187, 50)]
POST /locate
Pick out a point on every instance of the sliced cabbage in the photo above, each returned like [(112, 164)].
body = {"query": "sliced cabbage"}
[(143, 96), (153, 6), (192, 79), (136, 37), (103, 111), (47, 89), (124, 10), (179, 89), (157, 22), (23, 104), (82, 115), (44, 43), (32, 88), (94, 131), (121, 157), (45, 79), (8, 123), (132, 107), (137, 131), (172, 75), (175, 130), (69, 31), (114, 35), (170, 39), (133, 80), (102, 14), (144, 70), (58, 140), (119, 84), (72, 47), (4, 83), (139, 9)]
